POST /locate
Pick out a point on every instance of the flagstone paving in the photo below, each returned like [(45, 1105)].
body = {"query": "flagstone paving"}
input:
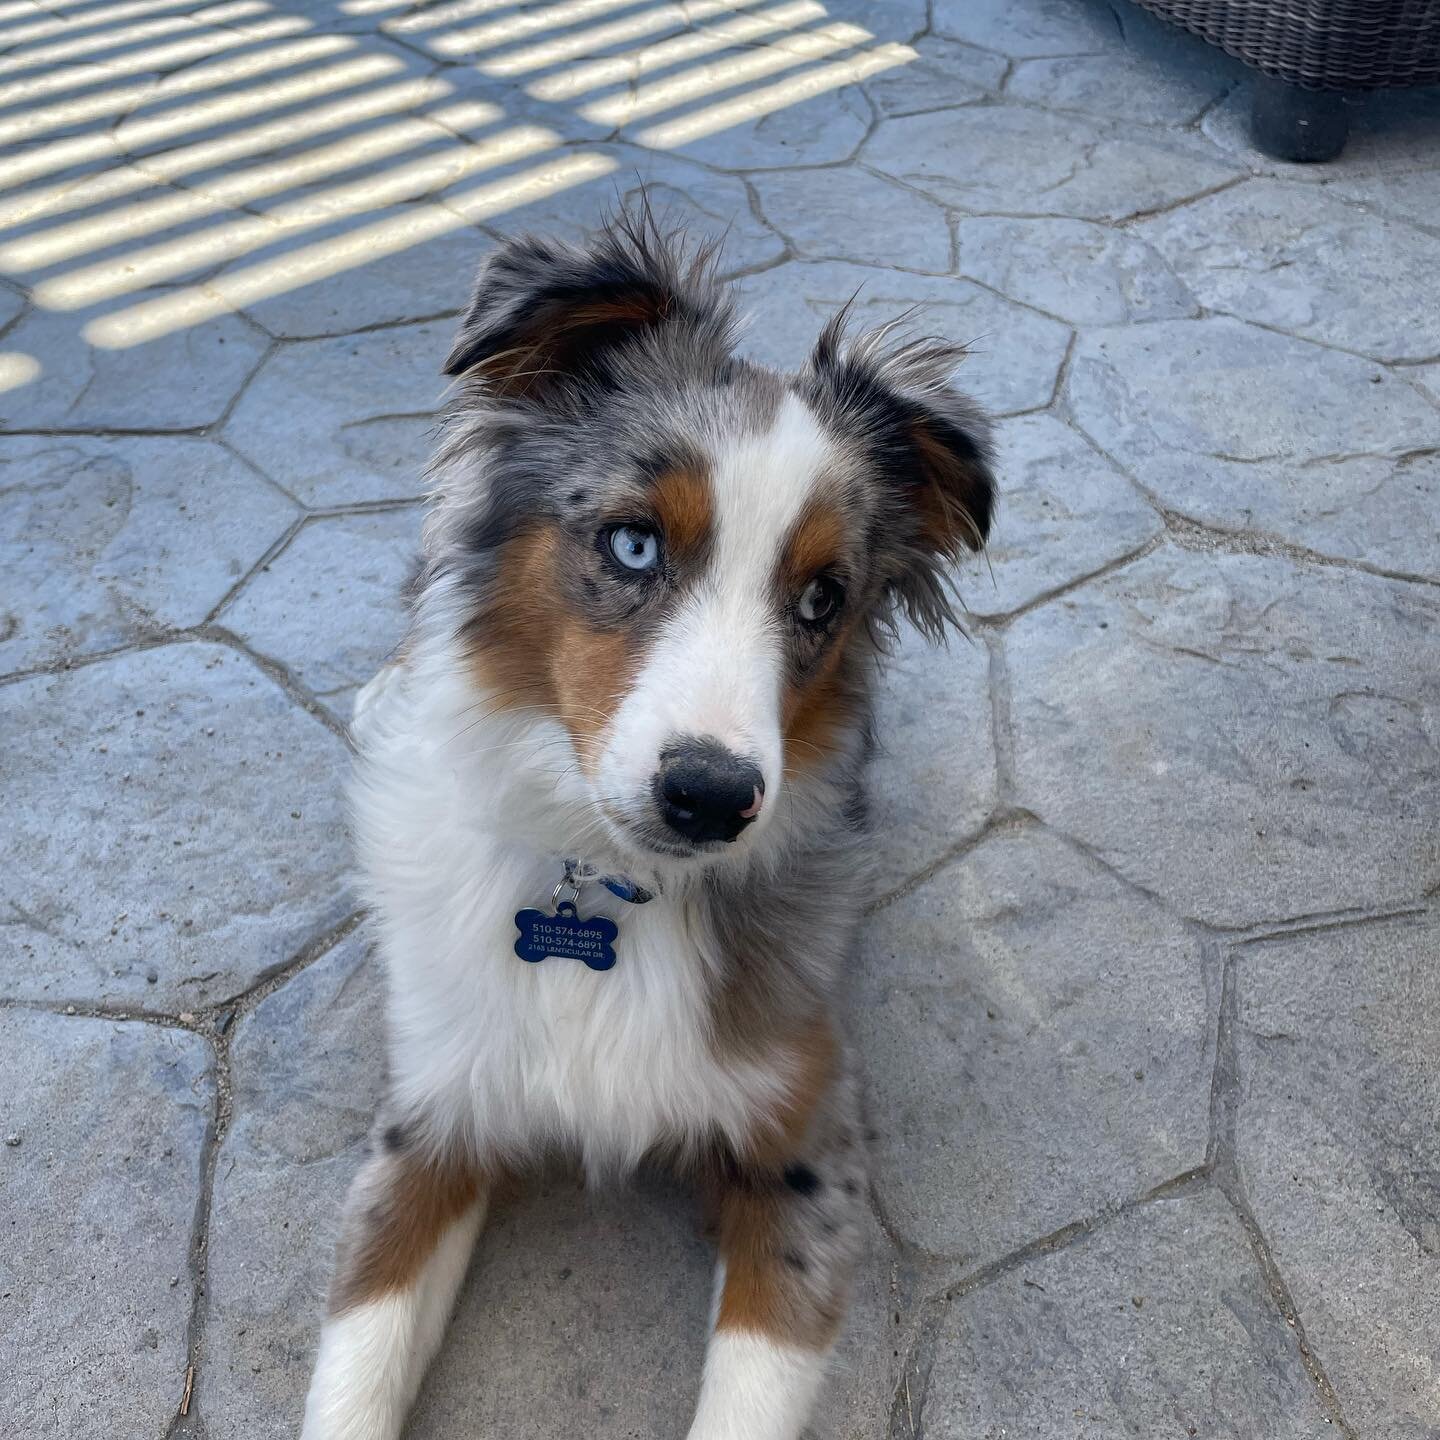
[(1147, 1002)]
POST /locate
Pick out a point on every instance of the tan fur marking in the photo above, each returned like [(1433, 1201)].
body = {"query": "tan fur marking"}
[(684, 510), (759, 1296), (816, 542), (810, 1058), (591, 671), (805, 1055), (511, 658), (820, 708), (562, 334), (531, 654), (816, 710), (637, 308), (754, 1209), (416, 1201), (944, 514)]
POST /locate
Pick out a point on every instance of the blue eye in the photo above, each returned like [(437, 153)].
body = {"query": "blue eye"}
[(635, 547)]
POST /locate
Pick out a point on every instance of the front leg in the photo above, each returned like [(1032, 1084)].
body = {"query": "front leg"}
[(410, 1223), (790, 1235)]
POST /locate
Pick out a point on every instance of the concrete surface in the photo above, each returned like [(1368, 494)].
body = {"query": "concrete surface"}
[(1149, 1006)]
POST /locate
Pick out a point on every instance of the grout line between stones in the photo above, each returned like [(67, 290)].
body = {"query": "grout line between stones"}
[(277, 672), (1224, 1078), (907, 1406), (272, 345), (1224, 1159), (260, 473), (1062, 370), (990, 624), (1000, 821), (208, 631), (1002, 737), (1384, 362), (1187, 533), (1191, 534), (215, 1023), (1170, 206), (197, 1259), (220, 1023), (374, 327), (276, 549), (1093, 856), (213, 1015), (1325, 923), (151, 641)]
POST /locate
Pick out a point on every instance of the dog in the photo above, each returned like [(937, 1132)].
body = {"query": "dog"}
[(608, 796)]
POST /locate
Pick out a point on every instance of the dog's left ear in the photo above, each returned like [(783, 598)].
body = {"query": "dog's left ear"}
[(544, 313), (930, 445)]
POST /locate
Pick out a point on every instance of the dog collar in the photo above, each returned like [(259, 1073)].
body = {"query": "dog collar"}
[(577, 873), (566, 934)]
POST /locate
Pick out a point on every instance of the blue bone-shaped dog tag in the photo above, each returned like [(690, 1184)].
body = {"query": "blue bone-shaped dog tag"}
[(565, 936)]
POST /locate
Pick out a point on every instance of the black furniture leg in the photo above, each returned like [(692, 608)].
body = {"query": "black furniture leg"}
[(1292, 123)]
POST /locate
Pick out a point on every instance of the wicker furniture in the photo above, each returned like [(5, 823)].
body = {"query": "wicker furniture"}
[(1309, 52)]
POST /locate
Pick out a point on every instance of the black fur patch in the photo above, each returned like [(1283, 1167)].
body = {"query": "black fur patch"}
[(803, 1180)]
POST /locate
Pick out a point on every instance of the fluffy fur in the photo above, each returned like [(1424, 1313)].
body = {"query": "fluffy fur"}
[(542, 696)]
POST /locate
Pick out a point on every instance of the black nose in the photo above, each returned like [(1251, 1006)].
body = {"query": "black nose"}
[(705, 792)]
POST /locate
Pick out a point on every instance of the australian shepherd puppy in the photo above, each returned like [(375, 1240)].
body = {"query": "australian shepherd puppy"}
[(608, 797)]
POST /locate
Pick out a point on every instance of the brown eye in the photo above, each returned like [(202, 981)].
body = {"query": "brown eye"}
[(819, 600)]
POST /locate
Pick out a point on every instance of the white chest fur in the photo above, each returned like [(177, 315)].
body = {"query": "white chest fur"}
[(484, 1044)]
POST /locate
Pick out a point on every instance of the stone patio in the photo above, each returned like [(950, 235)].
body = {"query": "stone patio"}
[(1150, 1005)]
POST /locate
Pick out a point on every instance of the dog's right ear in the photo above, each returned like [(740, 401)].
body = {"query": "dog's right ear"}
[(545, 313)]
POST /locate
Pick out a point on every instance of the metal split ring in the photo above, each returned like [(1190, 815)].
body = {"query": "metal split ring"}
[(565, 883)]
